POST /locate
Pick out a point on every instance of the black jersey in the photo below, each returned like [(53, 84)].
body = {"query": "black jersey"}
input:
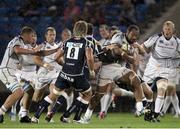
[(74, 56)]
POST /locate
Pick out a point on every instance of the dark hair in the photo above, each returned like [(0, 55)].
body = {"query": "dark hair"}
[(112, 28), (27, 30), (90, 29), (133, 27)]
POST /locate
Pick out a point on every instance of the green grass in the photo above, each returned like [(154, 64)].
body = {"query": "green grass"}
[(113, 120)]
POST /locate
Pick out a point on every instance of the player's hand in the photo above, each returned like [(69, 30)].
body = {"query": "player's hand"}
[(48, 66), (92, 74)]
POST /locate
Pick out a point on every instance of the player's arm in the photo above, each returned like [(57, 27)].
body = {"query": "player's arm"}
[(141, 49), (19, 50), (147, 50), (148, 44), (58, 57), (119, 51), (39, 61), (90, 61)]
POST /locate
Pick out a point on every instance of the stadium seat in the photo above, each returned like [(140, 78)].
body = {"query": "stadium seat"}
[(4, 11)]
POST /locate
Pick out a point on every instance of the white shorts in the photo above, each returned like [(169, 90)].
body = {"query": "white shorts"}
[(45, 77), (152, 71), (109, 72), (29, 76), (8, 77)]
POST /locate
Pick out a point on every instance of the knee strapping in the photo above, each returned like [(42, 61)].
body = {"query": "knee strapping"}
[(162, 84), (56, 92), (134, 80)]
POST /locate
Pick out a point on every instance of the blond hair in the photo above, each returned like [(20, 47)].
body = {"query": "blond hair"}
[(80, 29), (169, 23)]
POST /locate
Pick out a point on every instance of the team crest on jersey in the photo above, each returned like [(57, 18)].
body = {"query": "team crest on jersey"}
[(48, 47), (71, 44), (161, 41)]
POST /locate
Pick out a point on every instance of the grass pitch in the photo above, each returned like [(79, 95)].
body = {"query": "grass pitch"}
[(113, 120)]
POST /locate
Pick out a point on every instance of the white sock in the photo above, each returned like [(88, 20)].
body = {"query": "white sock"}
[(139, 106), (107, 97), (102, 101), (23, 112), (3, 110), (127, 93), (88, 113), (48, 100), (175, 102), (13, 108), (70, 100), (108, 104), (159, 103), (149, 100), (167, 102)]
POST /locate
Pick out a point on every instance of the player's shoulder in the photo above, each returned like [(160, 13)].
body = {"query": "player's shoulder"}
[(157, 35), (16, 41)]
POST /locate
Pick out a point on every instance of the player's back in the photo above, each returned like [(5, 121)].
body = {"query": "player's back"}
[(74, 56)]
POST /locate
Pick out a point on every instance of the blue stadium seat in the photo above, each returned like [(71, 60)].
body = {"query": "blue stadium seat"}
[(4, 11), (16, 20), (4, 20), (141, 11)]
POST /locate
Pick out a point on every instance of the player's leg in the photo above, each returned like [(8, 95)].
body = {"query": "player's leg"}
[(148, 94), (167, 101), (81, 102), (132, 80), (161, 89), (60, 85), (175, 102), (61, 100), (26, 103), (51, 98), (95, 100), (13, 112), (17, 93), (107, 99)]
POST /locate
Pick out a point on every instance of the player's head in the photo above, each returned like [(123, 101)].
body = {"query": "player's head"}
[(35, 40), (28, 34), (66, 34), (104, 31), (113, 30), (80, 29), (168, 29), (50, 34), (90, 29), (132, 33)]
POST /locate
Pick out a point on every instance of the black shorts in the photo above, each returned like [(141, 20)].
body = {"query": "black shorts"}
[(79, 83)]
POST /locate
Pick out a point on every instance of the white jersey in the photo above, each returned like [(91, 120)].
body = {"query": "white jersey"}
[(11, 59), (51, 58), (163, 59), (27, 62), (104, 42), (44, 76), (163, 50), (9, 64), (120, 38)]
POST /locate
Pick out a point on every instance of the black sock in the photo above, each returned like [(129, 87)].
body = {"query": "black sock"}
[(71, 108), (60, 101), (156, 115), (44, 104), (79, 111), (144, 102), (149, 105)]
